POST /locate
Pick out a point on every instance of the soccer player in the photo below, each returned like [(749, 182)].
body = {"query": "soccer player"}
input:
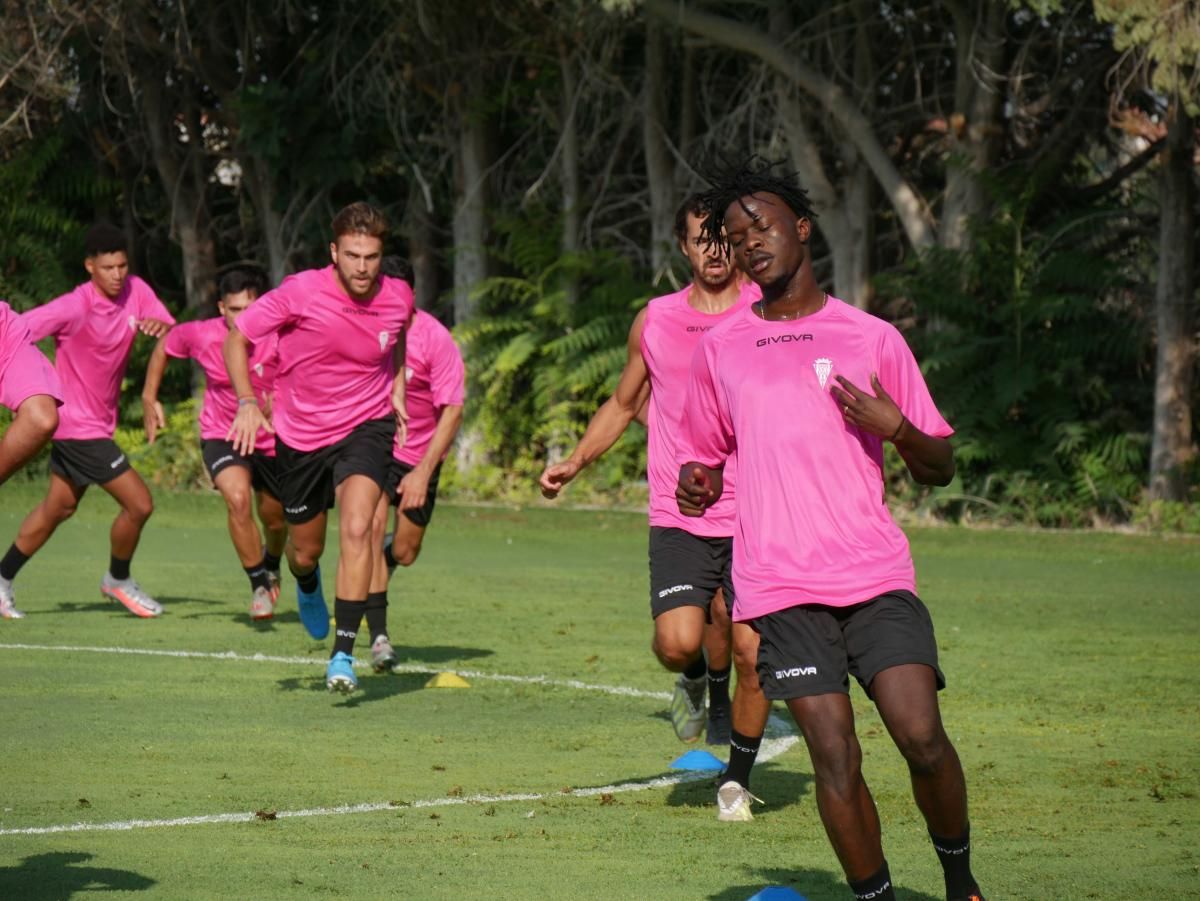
[(435, 386), (690, 585), (94, 327), (807, 389), (239, 478), (29, 388), (339, 405)]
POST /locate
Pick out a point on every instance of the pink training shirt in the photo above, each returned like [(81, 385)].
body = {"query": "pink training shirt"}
[(434, 378), (671, 332), (24, 370), (94, 335), (813, 525), (204, 341), (335, 353)]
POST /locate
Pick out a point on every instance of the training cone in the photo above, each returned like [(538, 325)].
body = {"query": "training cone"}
[(698, 760), (447, 680), (777, 893)]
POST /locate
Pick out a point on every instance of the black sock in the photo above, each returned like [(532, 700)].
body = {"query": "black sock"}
[(270, 561), (347, 617), (308, 582), (258, 577), (377, 614), (877, 887), (743, 750), (718, 687), (388, 557), (696, 670), (118, 568), (955, 856), (12, 563)]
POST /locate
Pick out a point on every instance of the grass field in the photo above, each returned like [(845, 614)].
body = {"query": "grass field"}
[(1071, 657)]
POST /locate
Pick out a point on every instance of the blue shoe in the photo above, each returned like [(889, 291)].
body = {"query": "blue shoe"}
[(339, 675), (313, 612)]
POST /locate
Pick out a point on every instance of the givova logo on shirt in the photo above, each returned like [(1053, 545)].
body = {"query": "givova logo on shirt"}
[(795, 672)]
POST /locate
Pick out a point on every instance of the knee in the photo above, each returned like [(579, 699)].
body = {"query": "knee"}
[(41, 412), (355, 529), (238, 502), (62, 510), (924, 749), (407, 552), (672, 654), (141, 510), (837, 760), (745, 661), (305, 556)]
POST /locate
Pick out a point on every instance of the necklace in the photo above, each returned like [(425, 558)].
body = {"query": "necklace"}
[(762, 311)]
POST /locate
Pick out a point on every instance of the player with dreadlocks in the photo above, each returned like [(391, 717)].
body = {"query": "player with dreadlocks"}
[(823, 573)]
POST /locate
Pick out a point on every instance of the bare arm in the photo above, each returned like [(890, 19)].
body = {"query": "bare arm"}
[(249, 417), (414, 486), (152, 411), (610, 421)]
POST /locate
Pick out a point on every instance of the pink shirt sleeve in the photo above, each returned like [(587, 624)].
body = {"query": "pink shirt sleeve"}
[(901, 378), (267, 314), (447, 375), (148, 304), (58, 317), (180, 341), (706, 435)]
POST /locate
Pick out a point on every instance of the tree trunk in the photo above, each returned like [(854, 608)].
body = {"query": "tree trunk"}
[(660, 167), (1172, 448), (470, 213), (569, 161), (257, 180), (422, 247), (974, 126)]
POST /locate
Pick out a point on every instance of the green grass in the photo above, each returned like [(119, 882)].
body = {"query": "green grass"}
[(1071, 660)]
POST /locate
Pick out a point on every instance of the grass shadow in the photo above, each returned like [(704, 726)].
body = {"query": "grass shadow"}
[(781, 789), (439, 653), (371, 687), (815, 885), (57, 876)]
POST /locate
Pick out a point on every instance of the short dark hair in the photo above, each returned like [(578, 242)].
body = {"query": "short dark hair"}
[(394, 266), (242, 277), (693, 205), (360, 218), (730, 183), (104, 238)]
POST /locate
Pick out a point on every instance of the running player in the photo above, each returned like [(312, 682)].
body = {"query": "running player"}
[(690, 583), (94, 327), (807, 389), (239, 478), (435, 386), (340, 397), (29, 388)]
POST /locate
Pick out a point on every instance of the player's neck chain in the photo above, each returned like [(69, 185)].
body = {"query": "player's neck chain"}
[(761, 310)]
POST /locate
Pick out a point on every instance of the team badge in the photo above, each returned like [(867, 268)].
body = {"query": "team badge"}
[(823, 366), (132, 323), (258, 367), (383, 338), (408, 373)]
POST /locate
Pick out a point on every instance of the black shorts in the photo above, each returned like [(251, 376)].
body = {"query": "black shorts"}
[(686, 570), (418, 516), (87, 461), (264, 470), (813, 650), (309, 479)]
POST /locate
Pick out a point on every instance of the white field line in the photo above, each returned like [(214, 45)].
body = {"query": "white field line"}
[(311, 661), (779, 739)]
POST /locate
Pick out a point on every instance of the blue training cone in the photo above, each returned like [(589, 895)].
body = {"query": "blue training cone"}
[(698, 760), (777, 893)]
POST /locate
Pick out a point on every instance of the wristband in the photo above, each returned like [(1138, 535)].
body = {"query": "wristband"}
[(242, 401), (896, 434)]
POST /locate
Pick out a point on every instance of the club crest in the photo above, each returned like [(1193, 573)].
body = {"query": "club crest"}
[(132, 323), (383, 339), (823, 366), (258, 367)]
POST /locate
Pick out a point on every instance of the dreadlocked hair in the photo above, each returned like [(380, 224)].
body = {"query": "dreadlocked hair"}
[(730, 182)]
